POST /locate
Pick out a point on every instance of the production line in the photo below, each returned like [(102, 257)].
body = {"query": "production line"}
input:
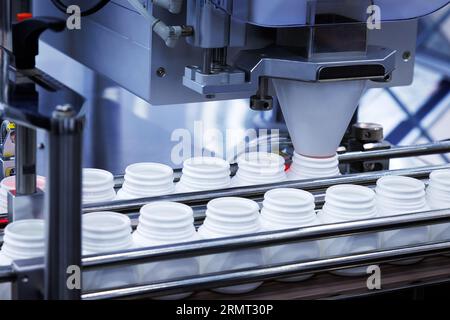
[(229, 231)]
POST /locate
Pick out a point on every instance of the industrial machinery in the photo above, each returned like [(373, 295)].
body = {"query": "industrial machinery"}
[(315, 58)]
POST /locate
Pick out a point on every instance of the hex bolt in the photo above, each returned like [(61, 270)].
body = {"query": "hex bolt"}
[(161, 72), (65, 110)]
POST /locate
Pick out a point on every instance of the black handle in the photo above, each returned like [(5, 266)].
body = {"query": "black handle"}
[(26, 39)]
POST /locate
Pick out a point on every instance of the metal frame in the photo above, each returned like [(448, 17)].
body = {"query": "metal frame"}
[(34, 100)]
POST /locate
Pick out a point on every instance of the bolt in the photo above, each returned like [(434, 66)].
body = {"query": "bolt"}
[(63, 111), (64, 108), (161, 72)]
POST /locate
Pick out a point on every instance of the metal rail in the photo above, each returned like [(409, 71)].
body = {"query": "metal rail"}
[(397, 152), (268, 273), (350, 157), (206, 247), (7, 274)]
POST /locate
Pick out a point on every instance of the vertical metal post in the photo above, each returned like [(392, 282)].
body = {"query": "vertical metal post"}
[(5, 24), (4, 66), (5, 45), (25, 160), (220, 57), (63, 241), (207, 60)]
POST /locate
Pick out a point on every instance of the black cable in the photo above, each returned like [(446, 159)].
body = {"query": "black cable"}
[(63, 8)]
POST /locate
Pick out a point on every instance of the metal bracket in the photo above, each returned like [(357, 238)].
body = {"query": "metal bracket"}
[(22, 207), (29, 283), (283, 63)]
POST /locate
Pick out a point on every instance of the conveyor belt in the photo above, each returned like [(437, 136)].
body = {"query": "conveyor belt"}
[(430, 271)]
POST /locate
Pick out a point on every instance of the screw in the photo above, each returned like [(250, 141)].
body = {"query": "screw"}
[(64, 108), (63, 111), (41, 146), (407, 55), (161, 72), (25, 279)]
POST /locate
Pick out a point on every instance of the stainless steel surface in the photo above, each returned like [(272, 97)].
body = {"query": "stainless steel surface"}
[(5, 24), (207, 60), (4, 66), (25, 160), (272, 272), (120, 32), (286, 64), (5, 46), (29, 206), (146, 54), (397, 152), (63, 200)]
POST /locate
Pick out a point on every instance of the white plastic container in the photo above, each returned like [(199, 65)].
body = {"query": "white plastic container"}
[(105, 232), (438, 197), (164, 223), (228, 217), (147, 180), (204, 173), (303, 168), (287, 209), (259, 168), (98, 186), (24, 239), (398, 195), (349, 203), (9, 184)]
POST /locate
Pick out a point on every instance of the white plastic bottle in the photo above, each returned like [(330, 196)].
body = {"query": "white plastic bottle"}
[(24, 239), (164, 223), (398, 195), (9, 184), (311, 168), (105, 232), (438, 197), (147, 180), (349, 203), (228, 217), (287, 209), (259, 168), (203, 174), (98, 186)]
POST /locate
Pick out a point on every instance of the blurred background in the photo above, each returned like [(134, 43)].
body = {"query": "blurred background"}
[(419, 113), (123, 129)]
